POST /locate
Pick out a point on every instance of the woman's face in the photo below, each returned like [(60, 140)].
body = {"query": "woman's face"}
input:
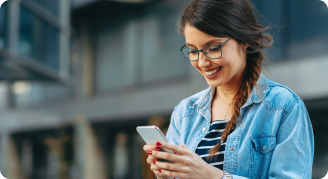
[(229, 69)]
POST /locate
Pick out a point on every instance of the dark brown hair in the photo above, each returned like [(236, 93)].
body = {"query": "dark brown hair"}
[(231, 18)]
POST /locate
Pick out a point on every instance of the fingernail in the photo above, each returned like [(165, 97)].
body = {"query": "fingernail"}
[(157, 147), (154, 162), (158, 143), (160, 171), (150, 152)]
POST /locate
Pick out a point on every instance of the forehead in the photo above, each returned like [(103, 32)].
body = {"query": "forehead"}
[(196, 37)]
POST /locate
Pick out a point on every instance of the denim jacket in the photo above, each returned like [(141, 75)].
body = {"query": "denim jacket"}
[(273, 137)]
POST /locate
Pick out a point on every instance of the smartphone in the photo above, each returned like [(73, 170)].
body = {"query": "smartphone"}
[(151, 135)]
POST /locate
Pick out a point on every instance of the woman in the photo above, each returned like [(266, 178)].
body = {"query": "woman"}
[(243, 125)]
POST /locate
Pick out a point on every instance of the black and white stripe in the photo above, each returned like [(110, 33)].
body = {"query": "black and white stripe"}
[(212, 138)]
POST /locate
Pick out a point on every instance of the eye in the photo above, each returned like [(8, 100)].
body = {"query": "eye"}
[(192, 52), (214, 49)]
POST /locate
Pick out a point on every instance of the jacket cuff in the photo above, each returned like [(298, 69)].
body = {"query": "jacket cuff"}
[(237, 177)]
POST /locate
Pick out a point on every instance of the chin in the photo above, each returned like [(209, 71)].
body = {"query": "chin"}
[(213, 84)]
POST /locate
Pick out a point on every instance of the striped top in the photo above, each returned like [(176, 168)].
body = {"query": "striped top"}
[(212, 138)]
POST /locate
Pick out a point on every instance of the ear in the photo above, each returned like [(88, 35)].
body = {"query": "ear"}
[(244, 45)]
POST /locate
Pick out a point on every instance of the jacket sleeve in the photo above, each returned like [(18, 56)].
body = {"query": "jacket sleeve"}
[(293, 155), (173, 133), (237, 177)]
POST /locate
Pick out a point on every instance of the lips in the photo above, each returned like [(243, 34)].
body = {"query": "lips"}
[(213, 73)]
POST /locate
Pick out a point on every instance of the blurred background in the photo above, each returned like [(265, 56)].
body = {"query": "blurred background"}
[(78, 76)]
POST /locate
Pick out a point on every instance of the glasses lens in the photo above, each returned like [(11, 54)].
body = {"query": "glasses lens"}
[(190, 54), (213, 52)]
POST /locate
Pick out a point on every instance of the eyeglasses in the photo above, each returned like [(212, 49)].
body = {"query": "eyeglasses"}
[(211, 52)]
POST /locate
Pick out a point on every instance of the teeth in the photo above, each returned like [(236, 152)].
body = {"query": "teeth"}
[(213, 71)]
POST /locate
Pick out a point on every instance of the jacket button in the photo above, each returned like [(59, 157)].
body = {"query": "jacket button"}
[(241, 124), (264, 147), (202, 108), (232, 148), (204, 129)]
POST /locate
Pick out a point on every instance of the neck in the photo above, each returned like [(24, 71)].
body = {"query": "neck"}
[(226, 97), (231, 87), (228, 91)]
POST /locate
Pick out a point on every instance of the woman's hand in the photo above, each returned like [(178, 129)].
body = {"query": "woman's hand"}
[(187, 164), (152, 159)]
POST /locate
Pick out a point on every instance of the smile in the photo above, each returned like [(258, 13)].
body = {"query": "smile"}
[(213, 71)]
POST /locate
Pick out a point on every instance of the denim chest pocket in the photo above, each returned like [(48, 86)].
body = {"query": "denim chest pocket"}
[(261, 153), (263, 143)]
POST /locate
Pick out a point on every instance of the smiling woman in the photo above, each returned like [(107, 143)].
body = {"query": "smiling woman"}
[(243, 125)]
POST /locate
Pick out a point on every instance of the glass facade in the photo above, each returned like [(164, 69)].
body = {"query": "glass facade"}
[(51, 46), (50, 5), (271, 14), (38, 40), (35, 37), (3, 25), (299, 28), (161, 56), (116, 54), (310, 39), (139, 47)]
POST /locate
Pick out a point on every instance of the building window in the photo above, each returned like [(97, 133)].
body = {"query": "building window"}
[(310, 39), (38, 40), (161, 57), (115, 54), (50, 5), (139, 47), (3, 25), (34, 40), (299, 28)]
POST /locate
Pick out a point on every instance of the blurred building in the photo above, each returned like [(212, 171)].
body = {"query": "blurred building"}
[(78, 77)]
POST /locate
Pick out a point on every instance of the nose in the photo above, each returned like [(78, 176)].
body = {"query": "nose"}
[(203, 61)]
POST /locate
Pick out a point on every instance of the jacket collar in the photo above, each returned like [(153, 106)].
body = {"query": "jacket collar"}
[(257, 95)]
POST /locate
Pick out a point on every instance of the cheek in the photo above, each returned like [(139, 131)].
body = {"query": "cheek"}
[(234, 60), (226, 63), (236, 67)]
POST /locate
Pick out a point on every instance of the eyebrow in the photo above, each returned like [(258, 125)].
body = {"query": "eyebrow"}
[(205, 44)]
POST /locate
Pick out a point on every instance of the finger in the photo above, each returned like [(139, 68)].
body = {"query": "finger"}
[(172, 173), (156, 170), (151, 159), (168, 156), (170, 166), (147, 148), (159, 173), (154, 167), (175, 148), (183, 145)]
